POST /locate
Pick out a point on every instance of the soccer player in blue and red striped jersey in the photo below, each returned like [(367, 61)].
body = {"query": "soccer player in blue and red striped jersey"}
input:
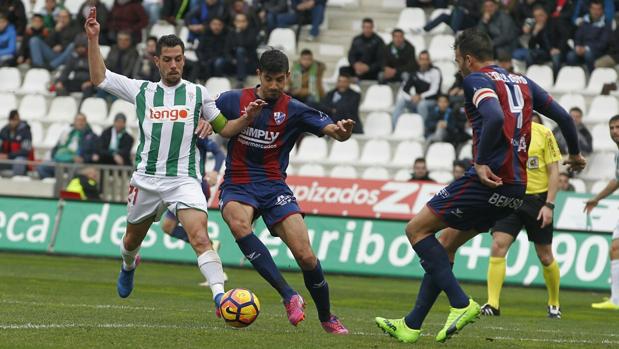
[(499, 106), (254, 183)]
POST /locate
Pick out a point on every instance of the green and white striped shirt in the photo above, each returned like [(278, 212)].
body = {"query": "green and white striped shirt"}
[(167, 120)]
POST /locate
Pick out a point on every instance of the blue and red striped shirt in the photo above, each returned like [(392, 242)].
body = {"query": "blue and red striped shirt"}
[(261, 151)]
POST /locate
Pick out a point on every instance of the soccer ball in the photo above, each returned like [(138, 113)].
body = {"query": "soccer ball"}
[(239, 307)]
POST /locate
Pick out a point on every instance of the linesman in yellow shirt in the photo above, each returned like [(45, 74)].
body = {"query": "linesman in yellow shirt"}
[(535, 215)]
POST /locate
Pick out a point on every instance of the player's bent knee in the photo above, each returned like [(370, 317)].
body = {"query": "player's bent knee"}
[(239, 227), (307, 260)]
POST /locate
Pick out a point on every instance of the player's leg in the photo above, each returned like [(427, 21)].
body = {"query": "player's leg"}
[(239, 218), (293, 231), (613, 302), (171, 227), (129, 251), (501, 242), (552, 277)]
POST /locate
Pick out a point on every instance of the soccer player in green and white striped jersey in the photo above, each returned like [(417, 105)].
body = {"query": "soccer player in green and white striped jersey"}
[(171, 114)]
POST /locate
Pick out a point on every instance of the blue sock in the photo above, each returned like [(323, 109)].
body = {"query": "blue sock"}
[(259, 256), (428, 293), (435, 262), (180, 233), (319, 289)]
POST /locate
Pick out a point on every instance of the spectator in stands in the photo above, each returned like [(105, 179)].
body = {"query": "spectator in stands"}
[(123, 55), (211, 50), (115, 144), (174, 10), (240, 50), (499, 26), (584, 136), (305, 83), (102, 17), (420, 171), (564, 182), (427, 3), (16, 142), (580, 11), (127, 15), (145, 68), (35, 29), (611, 58), (591, 39), (504, 60), (400, 59), (85, 183), (55, 51), (547, 43), (153, 10), (446, 124), (74, 76), (465, 14), (8, 42), (268, 10), (460, 167), (198, 19), (77, 145), (419, 92), (456, 92), (16, 14), (366, 55), (343, 103), (302, 12), (240, 7), (50, 12)]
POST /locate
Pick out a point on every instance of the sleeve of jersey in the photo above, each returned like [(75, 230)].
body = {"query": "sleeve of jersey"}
[(313, 120), (544, 104), (121, 86), (209, 107), (228, 104), (480, 91), (478, 88)]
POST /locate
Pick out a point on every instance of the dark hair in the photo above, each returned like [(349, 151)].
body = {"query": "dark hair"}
[(125, 33), (576, 109), (462, 163), (306, 51), (397, 30), (418, 160), (595, 2), (151, 38), (216, 18), (424, 52), (474, 43), (4, 16), (442, 95), (503, 56), (273, 61), (539, 6), (566, 174), (169, 41), (13, 114), (38, 15), (368, 20), (613, 119)]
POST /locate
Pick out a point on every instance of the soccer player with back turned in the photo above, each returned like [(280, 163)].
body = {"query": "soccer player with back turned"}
[(499, 106)]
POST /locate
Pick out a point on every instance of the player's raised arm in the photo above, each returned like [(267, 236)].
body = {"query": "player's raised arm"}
[(230, 128), (96, 64), (340, 131)]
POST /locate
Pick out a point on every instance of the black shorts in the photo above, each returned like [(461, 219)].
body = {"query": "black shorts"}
[(526, 216)]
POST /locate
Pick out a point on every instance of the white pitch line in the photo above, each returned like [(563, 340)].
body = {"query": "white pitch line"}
[(93, 306)]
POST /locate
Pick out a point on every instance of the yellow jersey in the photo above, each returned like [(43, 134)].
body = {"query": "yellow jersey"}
[(543, 151)]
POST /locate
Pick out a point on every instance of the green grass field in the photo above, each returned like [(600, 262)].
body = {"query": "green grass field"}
[(67, 302)]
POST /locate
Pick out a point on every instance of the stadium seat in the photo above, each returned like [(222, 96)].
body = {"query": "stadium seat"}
[(73, 6), (97, 129), (342, 62), (95, 110), (394, 4), (8, 102), (312, 149), (448, 73), (53, 133), (377, 98), (283, 38), (377, 124), (441, 28), (331, 50), (376, 151), (441, 48), (10, 79), (598, 78), (411, 18), (105, 50), (440, 156), (442, 177), (403, 175), (121, 106), (37, 80), (602, 108), (343, 3), (570, 100), (312, 170), (36, 130), (215, 86), (406, 153), (600, 165), (343, 171), (597, 186), (33, 107), (378, 173), (183, 34), (579, 185), (466, 151), (601, 138), (162, 28), (21, 179), (62, 109), (291, 170), (409, 126), (541, 75), (344, 152), (416, 40), (570, 80)]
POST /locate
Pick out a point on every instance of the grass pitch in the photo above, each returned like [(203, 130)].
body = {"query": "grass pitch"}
[(68, 302)]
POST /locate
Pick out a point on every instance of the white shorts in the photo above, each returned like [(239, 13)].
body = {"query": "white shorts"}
[(150, 196), (616, 232)]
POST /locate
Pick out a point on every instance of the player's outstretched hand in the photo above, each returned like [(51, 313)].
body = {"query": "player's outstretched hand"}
[(253, 109), (575, 163), (487, 177), (91, 26), (204, 129), (344, 129), (589, 205)]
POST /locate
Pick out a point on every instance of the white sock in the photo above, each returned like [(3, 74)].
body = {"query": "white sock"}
[(210, 266), (128, 257), (614, 281)]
